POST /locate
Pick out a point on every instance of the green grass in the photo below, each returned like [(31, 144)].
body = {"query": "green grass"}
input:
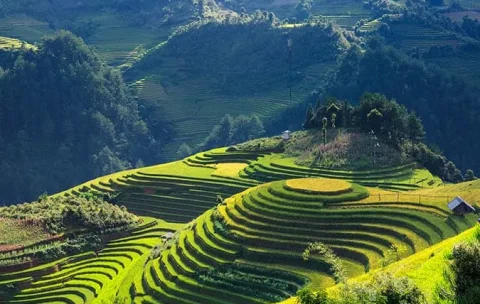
[(408, 36), (20, 232), (89, 277), (196, 110), (24, 28), (343, 12)]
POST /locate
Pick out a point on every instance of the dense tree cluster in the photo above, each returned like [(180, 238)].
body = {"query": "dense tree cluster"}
[(232, 131), (390, 121), (62, 214), (374, 112), (65, 117), (384, 288)]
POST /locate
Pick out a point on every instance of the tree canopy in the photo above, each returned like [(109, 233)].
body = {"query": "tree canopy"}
[(64, 118)]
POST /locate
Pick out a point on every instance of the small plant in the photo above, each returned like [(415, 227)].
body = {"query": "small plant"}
[(330, 257)]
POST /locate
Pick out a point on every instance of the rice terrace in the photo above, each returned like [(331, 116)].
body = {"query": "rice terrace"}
[(239, 152), (199, 237)]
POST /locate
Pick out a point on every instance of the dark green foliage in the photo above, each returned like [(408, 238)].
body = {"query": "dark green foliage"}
[(7, 290), (65, 117), (303, 9), (71, 246), (232, 131), (436, 2), (306, 296), (470, 175), (383, 289), (463, 276), (324, 130), (72, 213), (448, 105), (466, 269), (391, 122)]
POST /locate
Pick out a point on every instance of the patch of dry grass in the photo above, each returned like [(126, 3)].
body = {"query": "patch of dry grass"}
[(319, 185), (229, 169)]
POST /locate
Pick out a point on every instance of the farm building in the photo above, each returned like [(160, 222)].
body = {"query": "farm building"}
[(460, 206)]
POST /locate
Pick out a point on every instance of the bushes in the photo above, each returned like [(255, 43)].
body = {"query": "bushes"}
[(72, 246), (383, 289), (65, 213), (8, 290), (231, 131)]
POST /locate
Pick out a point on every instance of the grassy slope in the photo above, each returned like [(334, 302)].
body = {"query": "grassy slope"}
[(425, 268)]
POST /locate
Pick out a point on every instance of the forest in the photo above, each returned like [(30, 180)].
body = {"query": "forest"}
[(60, 105)]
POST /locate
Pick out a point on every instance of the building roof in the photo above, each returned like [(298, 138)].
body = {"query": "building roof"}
[(457, 202), (168, 235)]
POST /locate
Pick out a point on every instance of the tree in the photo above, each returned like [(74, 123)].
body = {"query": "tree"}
[(309, 118), (470, 175), (415, 128), (334, 117), (375, 120), (306, 296), (183, 151), (324, 130), (463, 281), (303, 9)]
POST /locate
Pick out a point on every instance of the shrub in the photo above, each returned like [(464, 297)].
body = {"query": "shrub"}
[(466, 269), (383, 289)]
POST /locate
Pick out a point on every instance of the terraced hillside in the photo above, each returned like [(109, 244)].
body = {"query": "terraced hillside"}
[(90, 276), (272, 224), (194, 112), (115, 39), (407, 36), (250, 243), (343, 12)]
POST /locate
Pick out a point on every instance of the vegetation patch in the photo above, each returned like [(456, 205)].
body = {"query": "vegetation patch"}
[(229, 169), (319, 185), (61, 214), (21, 233)]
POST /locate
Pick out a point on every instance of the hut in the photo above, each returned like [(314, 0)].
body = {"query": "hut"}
[(460, 207), (168, 236)]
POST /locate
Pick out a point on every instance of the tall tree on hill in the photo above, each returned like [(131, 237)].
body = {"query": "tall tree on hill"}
[(324, 130)]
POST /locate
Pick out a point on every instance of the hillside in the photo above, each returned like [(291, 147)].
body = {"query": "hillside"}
[(234, 230)]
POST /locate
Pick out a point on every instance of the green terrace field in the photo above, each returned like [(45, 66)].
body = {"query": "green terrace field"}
[(194, 109), (239, 222), (343, 12), (116, 40), (216, 258), (408, 36), (90, 277), (463, 64), (24, 28)]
